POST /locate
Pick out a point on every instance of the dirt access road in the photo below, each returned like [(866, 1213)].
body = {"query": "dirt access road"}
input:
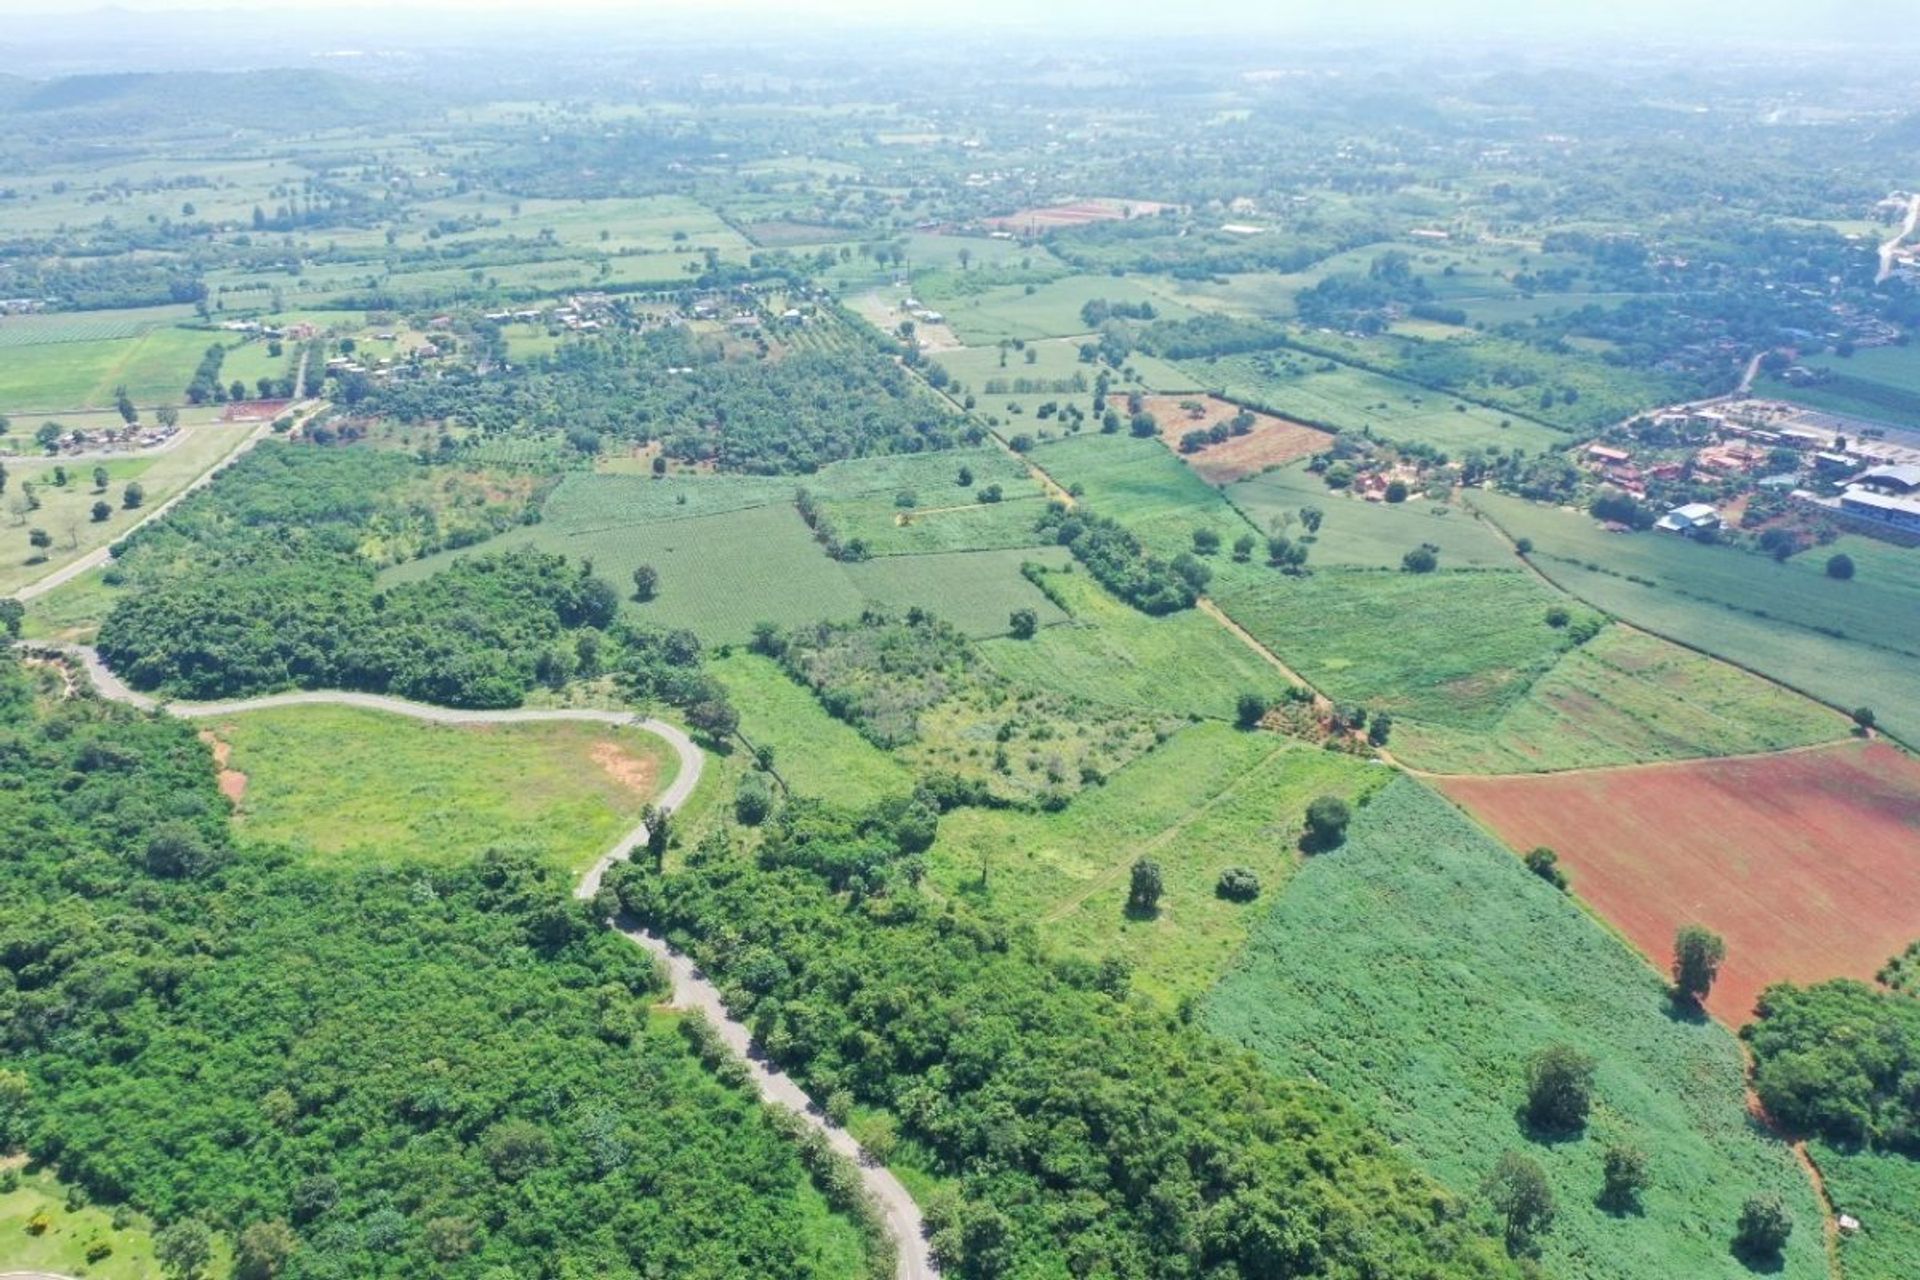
[(691, 989)]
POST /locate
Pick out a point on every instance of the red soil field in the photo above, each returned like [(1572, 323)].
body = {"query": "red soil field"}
[(1272, 442), (1807, 863)]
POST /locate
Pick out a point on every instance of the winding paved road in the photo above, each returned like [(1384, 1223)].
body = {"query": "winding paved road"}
[(691, 989), (1888, 249)]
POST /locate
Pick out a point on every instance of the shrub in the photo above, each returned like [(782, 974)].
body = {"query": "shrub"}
[(1840, 566), (1763, 1228), (1545, 863), (1420, 560), (1623, 1176), (1238, 884), (1559, 1089), (1327, 818)]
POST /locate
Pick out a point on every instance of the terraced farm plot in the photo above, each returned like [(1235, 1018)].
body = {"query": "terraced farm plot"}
[(1808, 863), (818, 755), (341, 784), (1342, 397), (1451, 649), (1626, 697), (1370, 535), (1110, 652), (1209, 799), (1846, 643), (1272, 442), (1417, 968)]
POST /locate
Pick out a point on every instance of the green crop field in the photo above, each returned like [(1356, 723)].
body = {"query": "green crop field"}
[(816, 754), (1846, 643), (1453, 649), (344, 784), (1882, 1190), (155, 366), (1051, 310), (1881, 383), (1109, 652), (1417, 968), (1343, 397), (1144, 486), (1370, 535), (1210, 798), (1055, 373), (1626, 697), (66, 511), (976, 591), (889, 530)]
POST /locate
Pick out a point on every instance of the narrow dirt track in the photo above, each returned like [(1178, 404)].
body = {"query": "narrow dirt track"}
[(691, 989)]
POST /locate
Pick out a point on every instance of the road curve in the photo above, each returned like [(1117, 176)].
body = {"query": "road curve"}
[(691, 988)]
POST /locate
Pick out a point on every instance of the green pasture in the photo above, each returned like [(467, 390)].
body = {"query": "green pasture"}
[(1415, 970), (346, 785), (1050, 310), (1369, 535), (816, 754), (154, 366), (1880, 383)]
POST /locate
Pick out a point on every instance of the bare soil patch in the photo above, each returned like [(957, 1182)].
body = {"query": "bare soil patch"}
[(1806, 862), (232, 782), (1077, 213), (636, 774), (1272, 442)]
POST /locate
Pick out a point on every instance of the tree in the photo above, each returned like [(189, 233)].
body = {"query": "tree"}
[(1243, 548), (715, 717), (1519, 1192), (1623, 1176), (263, 1250), (659, 833), (1420, 560), (964, 478), (1840, 566), (1022, 624), (752, 800), (39, 539), (12, 615), (1310, 517), (1250, 710), (646, 583), (1380, 728), (1396, 491), (49, 435), (123, 403), (1763, 1228), (1697, 953), (1206, 541), (1559, 1089), (133, 495), (1558, 616), (1327, 818), (1238, 884), (102, 512), (100, 479), (1143, 890), (168, 415), (1545, 863), (1864, 717), (184, 1249)]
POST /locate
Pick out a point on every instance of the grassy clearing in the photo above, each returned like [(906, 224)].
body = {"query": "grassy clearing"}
[(65, 512), (977, 591), (1626, 697), (1452, 649), (343, 784), (62, 1247), (1109, 652), (1345, 398), (967, 525), (1371, 535), (1417, 968), (1846, 643), (1210, 798), (1883, 1192), (816, 754), (1050, 310)]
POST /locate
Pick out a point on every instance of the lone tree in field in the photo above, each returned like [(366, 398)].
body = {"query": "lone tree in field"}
[(99, 479), (659, 833), (102, 513), (1559, 1089), (133, 495), (1143, 891), (1840, 566), (1864, 718), (1380, 728), (1250, 710), (646, 583), (1623, 1176), (1763, 1228), (1697, 953), (1327, 818), (1422, 559), (1518, 1191), (1545, 863), (39, 539), (1022, 624)]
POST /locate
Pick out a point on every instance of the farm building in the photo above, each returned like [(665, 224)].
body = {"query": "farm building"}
[(1898, 481), (1901, 513), (1690, 520)]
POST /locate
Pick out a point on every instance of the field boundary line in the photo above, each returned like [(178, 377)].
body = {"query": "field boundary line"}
[(1804, 748)]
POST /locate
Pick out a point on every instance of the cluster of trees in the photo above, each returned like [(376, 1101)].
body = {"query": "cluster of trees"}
[(205, 386), (1077, 1131), (1840, 1059), (1114, 556), (879, 673), (333, 1069)]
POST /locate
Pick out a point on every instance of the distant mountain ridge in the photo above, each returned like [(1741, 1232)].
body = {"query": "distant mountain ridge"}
[(237, 98)]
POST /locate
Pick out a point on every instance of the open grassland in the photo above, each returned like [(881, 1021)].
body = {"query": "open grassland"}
[(1882, 1190), (1846, 643), (1272, 442), (1210, 798), (816, 754), (1627, 697), (1343, 397), (154, 366), (1050, 310), (66, 511), (344, 784), (1109, 652), (1358, 534), (1881, 383), (1808, 863), (1452, 649), (61, 1248), (1417, 968)]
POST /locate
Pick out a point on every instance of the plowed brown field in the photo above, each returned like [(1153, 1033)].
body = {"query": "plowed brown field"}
[(1807, 863)]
